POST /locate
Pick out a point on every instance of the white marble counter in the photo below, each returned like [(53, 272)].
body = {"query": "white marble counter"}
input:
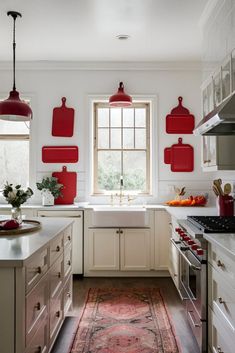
[(15, 249), (183, 212), (224, 241)]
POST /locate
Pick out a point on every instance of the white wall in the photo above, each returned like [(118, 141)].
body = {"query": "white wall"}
[(48, 82)]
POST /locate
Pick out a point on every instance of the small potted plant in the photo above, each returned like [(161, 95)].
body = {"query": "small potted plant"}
[(51, 190), (16, 196)]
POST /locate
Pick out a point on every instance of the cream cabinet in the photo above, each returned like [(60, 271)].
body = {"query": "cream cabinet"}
[(119, 249), (162, 237), (221, 300), (216, 153), (36, 295), (77, 230), (173, 253)]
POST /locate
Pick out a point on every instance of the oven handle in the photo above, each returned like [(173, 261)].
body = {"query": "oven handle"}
[(185, 257)]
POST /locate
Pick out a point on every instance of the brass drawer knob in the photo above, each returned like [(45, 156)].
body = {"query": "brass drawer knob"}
[(117, 231), (69, 263), (39, 269), (221, 301), (59, 274), (38, 306), (220, 263), (68, 294), (219, 350), (69, 237), (58, 248), (39, 349), (121, 231), (57, 314)]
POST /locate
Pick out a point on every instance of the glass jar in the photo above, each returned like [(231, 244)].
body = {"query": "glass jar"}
[(16, 214)]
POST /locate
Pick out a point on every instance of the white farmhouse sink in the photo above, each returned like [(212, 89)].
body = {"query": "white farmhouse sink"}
[(119, 216)]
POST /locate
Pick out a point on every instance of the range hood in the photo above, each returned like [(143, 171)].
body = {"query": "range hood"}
[(220, 121)]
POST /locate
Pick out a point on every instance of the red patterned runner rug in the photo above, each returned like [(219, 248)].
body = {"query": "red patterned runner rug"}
[(124, 321)]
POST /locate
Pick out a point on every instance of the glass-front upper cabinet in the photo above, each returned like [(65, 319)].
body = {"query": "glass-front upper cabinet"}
[(217, 87), (233, 70), (207, 98), (226, 78)]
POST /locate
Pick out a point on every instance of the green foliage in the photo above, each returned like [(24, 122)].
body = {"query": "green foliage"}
[(51, 184), (16, 196)]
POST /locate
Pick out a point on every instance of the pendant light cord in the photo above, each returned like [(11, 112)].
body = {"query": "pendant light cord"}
[(14, 54), (14, 15)]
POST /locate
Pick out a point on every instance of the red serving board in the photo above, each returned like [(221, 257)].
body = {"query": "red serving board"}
[(69, 190), (63, 120), (180, 121), (60, 154), (180, 156)]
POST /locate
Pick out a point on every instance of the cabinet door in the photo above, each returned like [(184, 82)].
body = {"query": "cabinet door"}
[(174, 264), (162, 236), (209, 151), (135, 249), (77, 235), (103, 249)]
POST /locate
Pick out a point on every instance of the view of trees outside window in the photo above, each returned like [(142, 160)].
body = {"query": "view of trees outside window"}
[(122, 148), (14, 153)]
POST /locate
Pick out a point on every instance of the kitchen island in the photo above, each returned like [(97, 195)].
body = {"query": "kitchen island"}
[(36, 286)]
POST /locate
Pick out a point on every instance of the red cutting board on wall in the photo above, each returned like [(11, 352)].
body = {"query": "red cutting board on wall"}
[(60, 154), (63, 120), (69, 181), (180, 156), (180, 121)]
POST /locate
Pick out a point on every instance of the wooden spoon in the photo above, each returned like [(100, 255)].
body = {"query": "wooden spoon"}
[(227, 189), (217, 183), (215, 190)]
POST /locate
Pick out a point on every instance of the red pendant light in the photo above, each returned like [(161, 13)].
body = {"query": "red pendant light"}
[(120, 99), (13, 108)]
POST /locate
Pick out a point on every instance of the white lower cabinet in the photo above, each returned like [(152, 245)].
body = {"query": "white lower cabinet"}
[(36, 297), (221, 300), (77, 230), (119, 249)]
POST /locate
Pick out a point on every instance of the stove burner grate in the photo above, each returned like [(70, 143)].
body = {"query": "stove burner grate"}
[(213, 224)]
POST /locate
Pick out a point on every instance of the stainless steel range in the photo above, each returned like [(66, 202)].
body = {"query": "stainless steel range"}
[(192, 249)]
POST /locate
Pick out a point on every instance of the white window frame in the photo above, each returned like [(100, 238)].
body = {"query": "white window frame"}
[(151, 100), (31, 137)]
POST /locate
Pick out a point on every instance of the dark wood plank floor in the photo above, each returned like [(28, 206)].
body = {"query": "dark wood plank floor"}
[(171, 297)]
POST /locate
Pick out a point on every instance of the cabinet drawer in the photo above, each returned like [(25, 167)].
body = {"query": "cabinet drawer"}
[(36, 267), (36, 307), (56, 315), (223, 298), (223, 264), (56, 276), (67, 262), (222, 338), (56, 248), (67, 237), (39, 343), (67, 296)]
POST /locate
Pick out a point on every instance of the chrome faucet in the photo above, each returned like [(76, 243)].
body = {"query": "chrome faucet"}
[(121, 195)]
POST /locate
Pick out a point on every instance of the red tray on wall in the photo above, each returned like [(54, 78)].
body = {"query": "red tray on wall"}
[(63, 120), (60, 154), (69, 190), (180, 121), (180, 156)]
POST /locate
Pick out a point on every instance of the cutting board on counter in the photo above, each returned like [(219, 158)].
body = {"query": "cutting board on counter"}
[(63, 120), (180, 156), (69, 190)]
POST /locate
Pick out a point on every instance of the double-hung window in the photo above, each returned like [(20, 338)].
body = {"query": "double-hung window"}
[(121, 148), (14, 152)]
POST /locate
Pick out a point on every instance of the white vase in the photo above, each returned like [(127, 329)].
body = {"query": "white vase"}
[(47, 198)]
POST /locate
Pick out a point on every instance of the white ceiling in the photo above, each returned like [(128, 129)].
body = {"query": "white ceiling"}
[(86, 30)]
